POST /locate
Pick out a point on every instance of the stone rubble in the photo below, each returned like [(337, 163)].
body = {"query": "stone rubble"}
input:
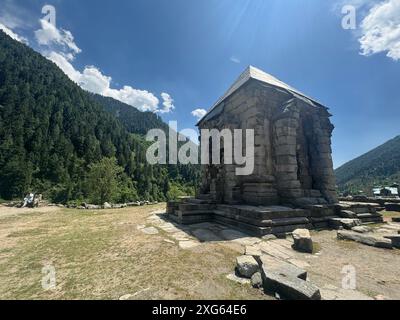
[(369, 239), (246, 266), (270, 264), (302, 241)]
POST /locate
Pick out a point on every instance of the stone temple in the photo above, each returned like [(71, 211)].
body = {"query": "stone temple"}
[(292, 185)]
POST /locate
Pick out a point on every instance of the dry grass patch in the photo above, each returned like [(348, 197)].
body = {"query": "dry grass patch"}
[(103, 255)]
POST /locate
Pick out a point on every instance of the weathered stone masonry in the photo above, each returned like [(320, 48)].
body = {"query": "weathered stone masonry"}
[(293, 182), (293, 163)]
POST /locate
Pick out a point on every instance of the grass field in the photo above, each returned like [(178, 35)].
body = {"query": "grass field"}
[(103, 255)]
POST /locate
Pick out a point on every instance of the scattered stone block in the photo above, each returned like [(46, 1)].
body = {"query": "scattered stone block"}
[(92, 207), (361, 229), (302, 241), (395, 240), (396, 219), (246, 266), (367, 239), (279, 266), (289, 287), (345, 223), (256, 280), (106, 205)]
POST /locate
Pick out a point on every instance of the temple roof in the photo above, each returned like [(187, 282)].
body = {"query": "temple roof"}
[(257, 74)]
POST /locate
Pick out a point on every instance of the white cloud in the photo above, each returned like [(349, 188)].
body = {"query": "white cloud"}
[(168, 103), (12, 34), (235, 59), (381, 30), (93, 80), (49, 35), (58, 46), (199, 113), (140, 99)]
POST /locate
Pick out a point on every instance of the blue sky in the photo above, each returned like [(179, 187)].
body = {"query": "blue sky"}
[(175, 56)]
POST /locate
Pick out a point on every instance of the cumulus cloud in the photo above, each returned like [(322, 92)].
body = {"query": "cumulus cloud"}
[(58, 45), (12, 34), (49, 35), (168, 103), (381, 30), (93, 80), (199, 113)]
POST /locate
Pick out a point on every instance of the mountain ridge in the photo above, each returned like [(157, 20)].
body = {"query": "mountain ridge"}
[(380, 166), (51, 131)]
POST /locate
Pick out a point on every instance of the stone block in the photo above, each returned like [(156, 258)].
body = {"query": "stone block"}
[(344, 223), (367, 239), (294, 184), (256, 280), (285, 150), (272, 264), (302, 240), (289, 287), (246, 266), (395, 240)]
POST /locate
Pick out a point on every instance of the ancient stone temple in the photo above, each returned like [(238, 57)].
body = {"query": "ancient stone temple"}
[(293, 179), (293, 162)]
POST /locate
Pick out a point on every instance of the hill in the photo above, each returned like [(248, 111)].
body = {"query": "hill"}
[(52, 131), (380, 166), (133, 120)]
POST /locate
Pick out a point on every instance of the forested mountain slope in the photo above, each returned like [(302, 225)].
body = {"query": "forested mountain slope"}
[(134, 120), (51, 131), (381, 166)]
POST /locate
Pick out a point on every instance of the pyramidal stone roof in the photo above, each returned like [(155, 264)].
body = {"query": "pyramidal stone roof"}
[(257, 74)]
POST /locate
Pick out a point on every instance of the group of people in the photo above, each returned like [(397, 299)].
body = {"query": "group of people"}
[(32, 200)]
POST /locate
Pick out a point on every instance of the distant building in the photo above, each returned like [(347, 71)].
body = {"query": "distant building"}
[(386, 192)]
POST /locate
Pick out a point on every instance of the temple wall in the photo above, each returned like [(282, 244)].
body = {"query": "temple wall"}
[(292, 149)]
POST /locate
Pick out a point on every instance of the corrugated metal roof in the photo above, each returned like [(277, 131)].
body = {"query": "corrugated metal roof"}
[(257, 74)]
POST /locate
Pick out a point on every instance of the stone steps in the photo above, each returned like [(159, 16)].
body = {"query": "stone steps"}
[(322, 222), (264, 213), (257, 220), (251, 229), (199, 201), (196, 207), (370, 218), (191, 217)]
